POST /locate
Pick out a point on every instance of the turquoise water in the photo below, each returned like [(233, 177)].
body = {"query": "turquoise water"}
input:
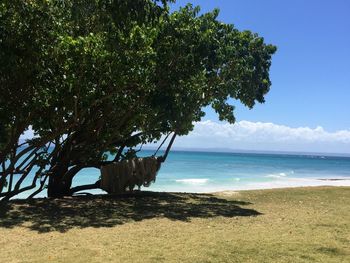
[(210, 172)]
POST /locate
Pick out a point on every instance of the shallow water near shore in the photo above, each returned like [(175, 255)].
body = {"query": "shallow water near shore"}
[(186, 171), (210, 171)]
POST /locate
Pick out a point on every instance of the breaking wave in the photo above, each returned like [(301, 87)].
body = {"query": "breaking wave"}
[(279, 175), (192, 181)]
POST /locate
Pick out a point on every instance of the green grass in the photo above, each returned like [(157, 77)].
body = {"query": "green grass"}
[(284, 225)]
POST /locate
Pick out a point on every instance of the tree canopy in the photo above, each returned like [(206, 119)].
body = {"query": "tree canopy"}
[(97, 76)]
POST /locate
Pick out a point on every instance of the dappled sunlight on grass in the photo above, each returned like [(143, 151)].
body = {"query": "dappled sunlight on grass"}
[(280, 225), (44, 215)]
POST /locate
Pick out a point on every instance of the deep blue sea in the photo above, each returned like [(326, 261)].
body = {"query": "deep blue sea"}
[(186, 171)]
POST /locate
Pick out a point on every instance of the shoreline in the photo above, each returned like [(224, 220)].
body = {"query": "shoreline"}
[(298, 183), (277, 185), (280, 183)]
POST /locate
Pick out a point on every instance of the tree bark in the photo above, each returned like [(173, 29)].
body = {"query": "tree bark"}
[(58, 186), (96, 185)]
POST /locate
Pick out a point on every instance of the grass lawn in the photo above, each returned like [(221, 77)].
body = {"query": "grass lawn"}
[(284, 225)]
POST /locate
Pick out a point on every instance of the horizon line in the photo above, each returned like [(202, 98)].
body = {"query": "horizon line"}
[(229, 150)]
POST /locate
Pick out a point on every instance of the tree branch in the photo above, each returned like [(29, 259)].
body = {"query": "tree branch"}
[(96, 185), (163, 158), (41, 188)]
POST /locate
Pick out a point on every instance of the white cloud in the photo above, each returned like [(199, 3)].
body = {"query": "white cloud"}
[(260, 136), (265, 136)]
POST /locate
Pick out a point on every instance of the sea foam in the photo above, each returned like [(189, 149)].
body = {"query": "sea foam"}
[(192, 181), (279, 175)]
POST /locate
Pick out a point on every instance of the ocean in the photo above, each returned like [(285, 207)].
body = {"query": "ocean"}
[(186, 171)]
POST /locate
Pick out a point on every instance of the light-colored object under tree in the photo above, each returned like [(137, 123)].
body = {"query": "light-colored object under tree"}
[(122, 176)]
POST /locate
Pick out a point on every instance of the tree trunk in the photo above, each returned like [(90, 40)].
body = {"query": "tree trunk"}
[(60, 182), (58, 187)]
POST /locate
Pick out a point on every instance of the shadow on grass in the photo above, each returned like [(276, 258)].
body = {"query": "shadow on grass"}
[(44, 215)]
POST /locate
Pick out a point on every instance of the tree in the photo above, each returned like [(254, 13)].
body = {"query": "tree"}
[(98, 76)]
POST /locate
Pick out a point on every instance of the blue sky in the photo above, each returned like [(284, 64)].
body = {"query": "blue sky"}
[(310, 72)]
